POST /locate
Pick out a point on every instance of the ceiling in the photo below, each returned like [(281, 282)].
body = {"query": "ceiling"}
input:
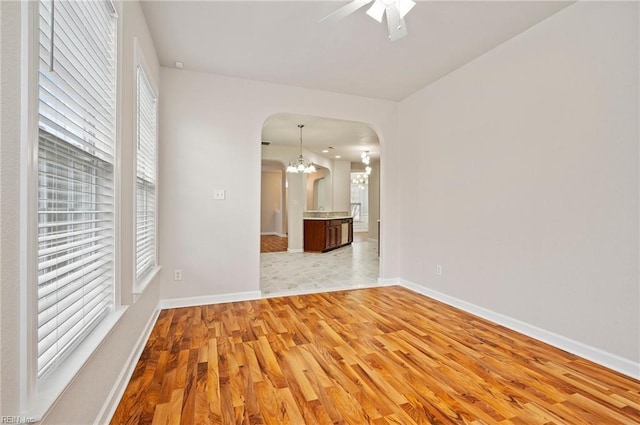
[(282, 42), (346, 139)]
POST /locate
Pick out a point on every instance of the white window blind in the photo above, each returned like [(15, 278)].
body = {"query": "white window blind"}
[(76, 147), (145, 177)]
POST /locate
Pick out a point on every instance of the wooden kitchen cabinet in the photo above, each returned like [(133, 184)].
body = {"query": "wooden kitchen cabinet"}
[(321, 235)]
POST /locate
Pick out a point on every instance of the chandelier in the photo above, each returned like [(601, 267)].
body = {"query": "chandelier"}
[(366, 159), (361, 180), (300, 165)]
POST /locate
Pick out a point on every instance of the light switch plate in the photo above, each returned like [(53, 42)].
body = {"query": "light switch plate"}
[(219, 194)]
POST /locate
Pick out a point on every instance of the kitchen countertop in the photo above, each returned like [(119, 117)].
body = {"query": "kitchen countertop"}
[(328, 218)]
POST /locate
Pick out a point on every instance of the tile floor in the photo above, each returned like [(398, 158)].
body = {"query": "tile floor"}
[(353, 266)]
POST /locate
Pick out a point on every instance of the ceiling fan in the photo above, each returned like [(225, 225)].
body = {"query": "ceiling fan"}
[(395, 11)]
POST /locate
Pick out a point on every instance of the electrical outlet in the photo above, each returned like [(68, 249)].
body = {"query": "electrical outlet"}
[(177, 274), (219, 194), (438, 269)]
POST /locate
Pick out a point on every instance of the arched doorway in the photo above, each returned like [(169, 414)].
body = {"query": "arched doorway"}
[(335, 147)]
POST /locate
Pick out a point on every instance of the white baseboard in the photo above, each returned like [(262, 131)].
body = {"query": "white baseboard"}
[(209, 299), (295, 292), (295, 250), (604, 358), (116, 393)]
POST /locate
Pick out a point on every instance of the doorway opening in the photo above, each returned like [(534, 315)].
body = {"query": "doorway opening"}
[(360, 202), (289, 199), (273, 207)]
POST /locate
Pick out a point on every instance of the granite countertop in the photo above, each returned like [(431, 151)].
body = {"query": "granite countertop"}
[(326, 215), (328, 218)]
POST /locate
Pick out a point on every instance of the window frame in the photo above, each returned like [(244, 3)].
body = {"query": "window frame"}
[(140, 62), (39, 395)]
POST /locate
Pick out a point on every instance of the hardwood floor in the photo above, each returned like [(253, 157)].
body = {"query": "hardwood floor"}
[(370, 356), (271, 243)]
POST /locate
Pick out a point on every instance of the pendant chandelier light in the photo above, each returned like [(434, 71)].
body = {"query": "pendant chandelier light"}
[(366, 159), (300, 165), (361, 180)]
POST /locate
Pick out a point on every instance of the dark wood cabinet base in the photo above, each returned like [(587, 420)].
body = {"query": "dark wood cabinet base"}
[(325, 235)]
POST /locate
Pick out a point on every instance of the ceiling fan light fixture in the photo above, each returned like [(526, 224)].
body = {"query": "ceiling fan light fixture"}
[(344, 11), (376, 11), (395, 11), (395, 24), (404, 6)]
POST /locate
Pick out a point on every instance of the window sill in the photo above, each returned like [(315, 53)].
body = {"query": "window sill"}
[(139, 288), (51, 388)]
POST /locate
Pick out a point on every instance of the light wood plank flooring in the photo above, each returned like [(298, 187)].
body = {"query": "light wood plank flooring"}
[(370, 356)]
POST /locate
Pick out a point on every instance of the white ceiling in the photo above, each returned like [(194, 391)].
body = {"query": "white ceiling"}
[(347, 139), (282, 42)]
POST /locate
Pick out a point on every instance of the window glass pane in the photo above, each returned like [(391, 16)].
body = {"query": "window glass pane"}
[(360, 201), (76, 147), (146, 159)]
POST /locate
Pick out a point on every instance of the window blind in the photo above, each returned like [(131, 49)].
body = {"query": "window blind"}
[(76, 147), (145, 177)]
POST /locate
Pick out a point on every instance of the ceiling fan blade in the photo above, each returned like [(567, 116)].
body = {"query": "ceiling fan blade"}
[(404, 6), (344, 11), (377, 10), (397, 26)]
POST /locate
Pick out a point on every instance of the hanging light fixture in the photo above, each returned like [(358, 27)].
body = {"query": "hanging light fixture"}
[(300, 165), (366, 159), (361, 180)]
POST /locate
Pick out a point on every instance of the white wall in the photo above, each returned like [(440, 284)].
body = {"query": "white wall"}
[(374, 199), (315, 199), (270, 201), (297, 201), (77, 405), (211, 129), (527, 159), (341, 179), (9, 207), (320, 194)]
